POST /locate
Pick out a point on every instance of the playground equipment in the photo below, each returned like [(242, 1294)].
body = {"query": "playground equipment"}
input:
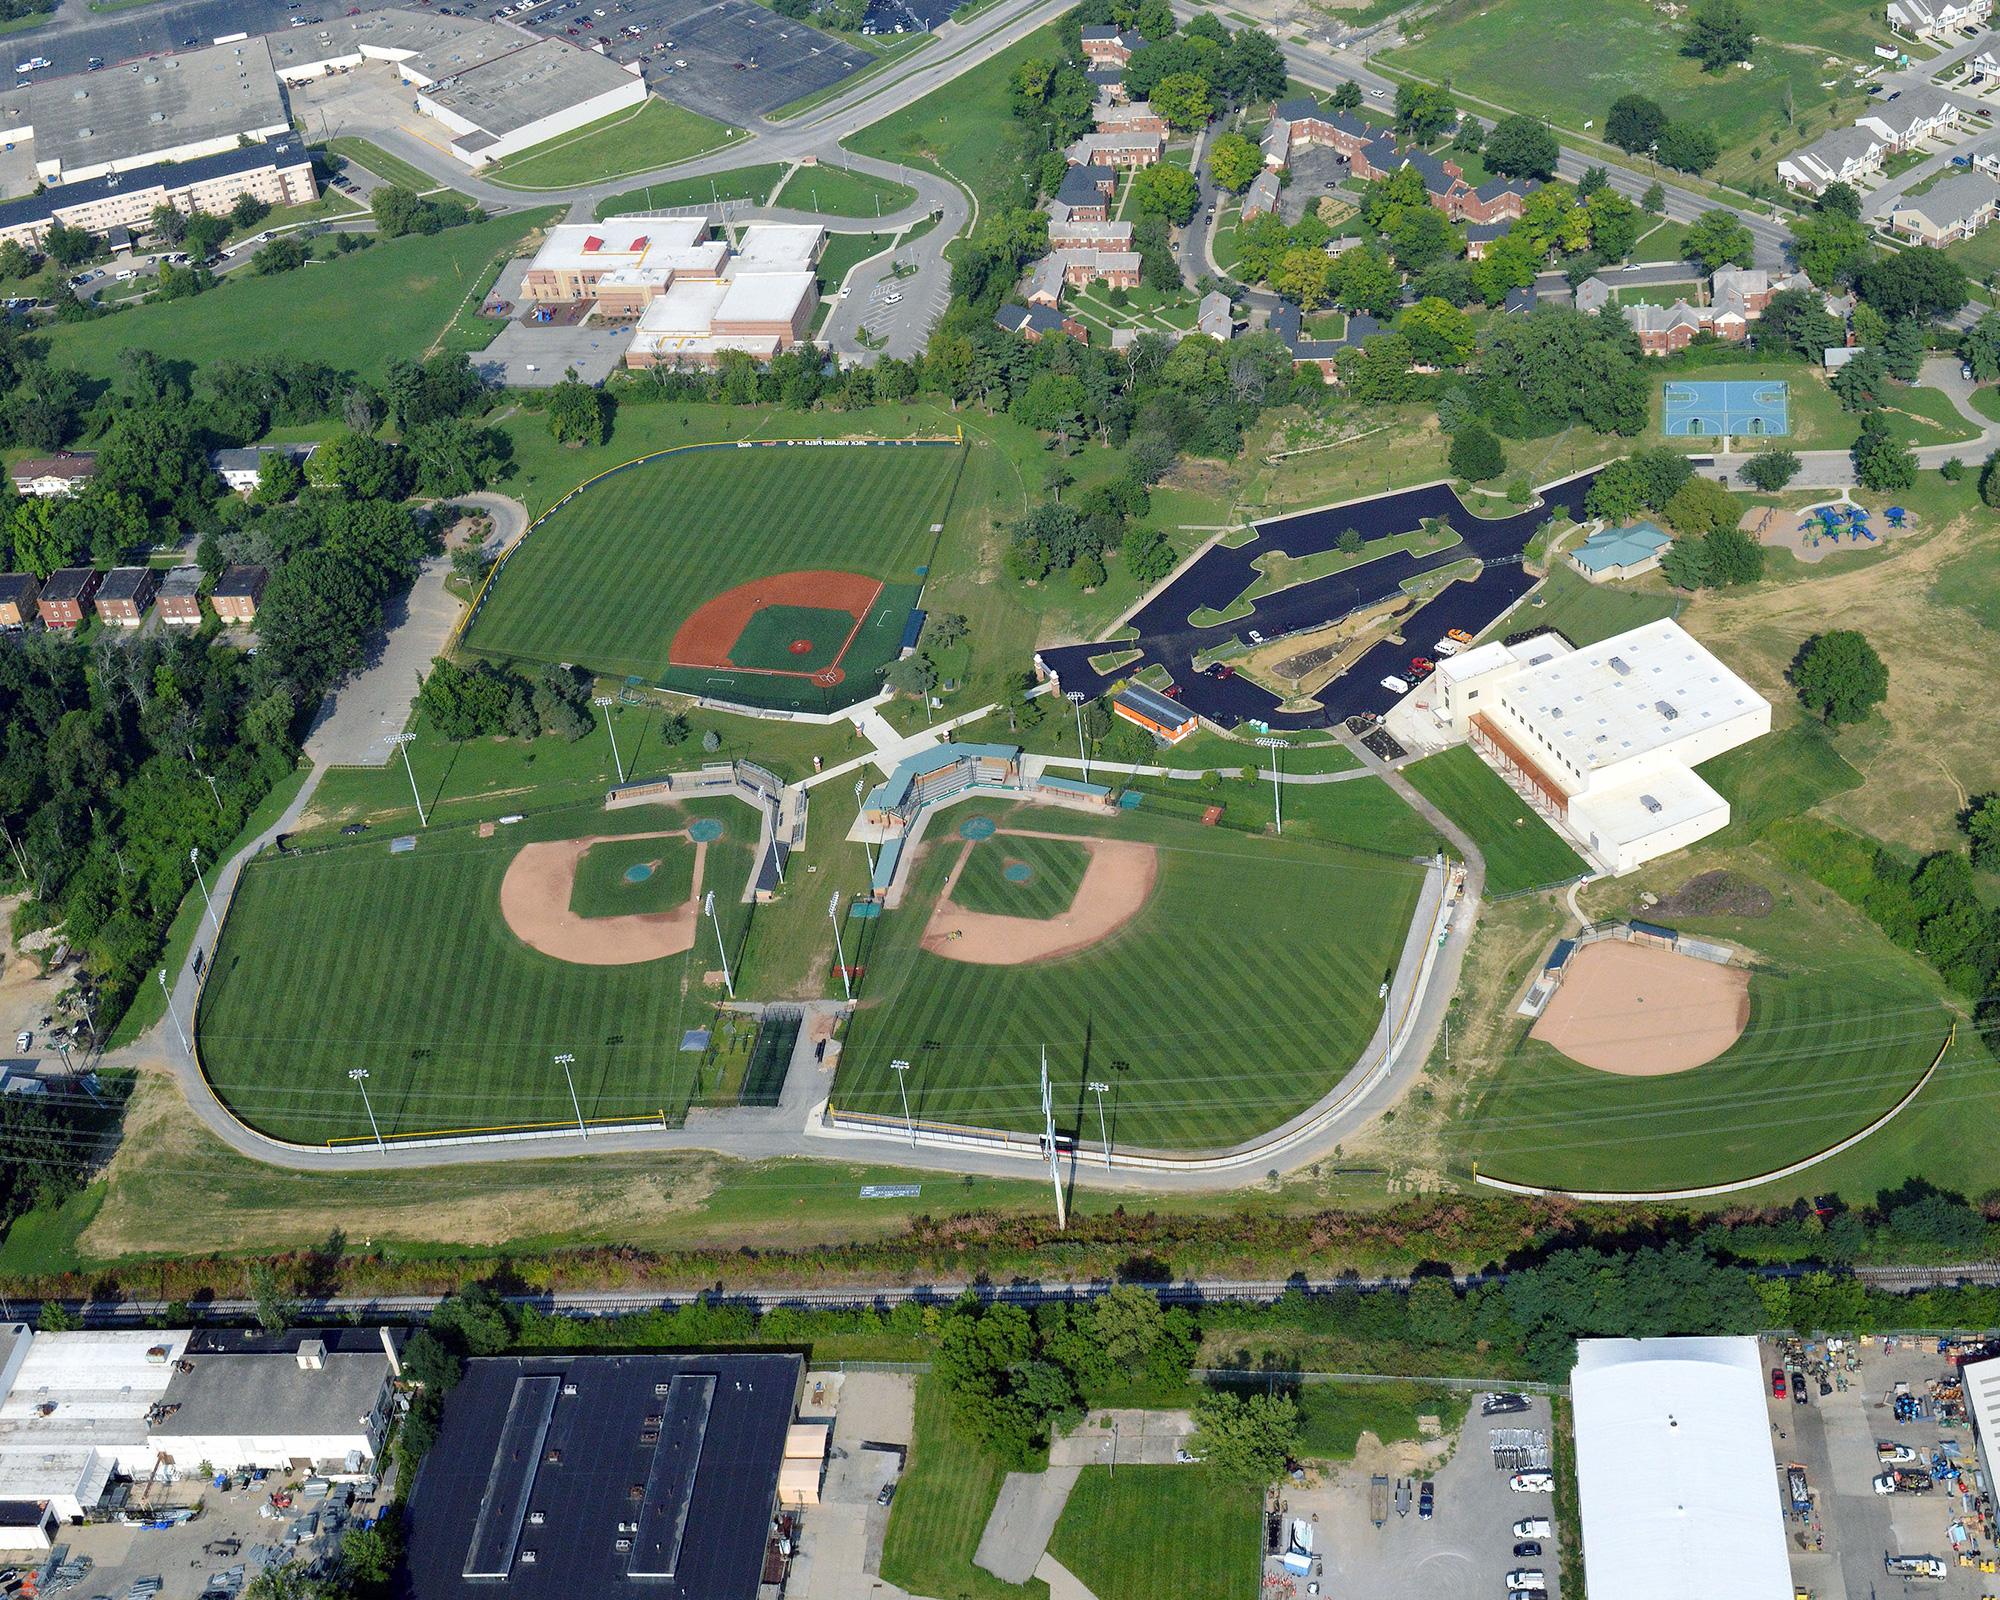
[(1896, 516)]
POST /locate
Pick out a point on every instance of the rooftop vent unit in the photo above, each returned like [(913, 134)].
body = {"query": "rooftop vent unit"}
[(528, 1558), (1619, 666), (537, 1518), (1667, 709), (569, 1389), (1652, 806)]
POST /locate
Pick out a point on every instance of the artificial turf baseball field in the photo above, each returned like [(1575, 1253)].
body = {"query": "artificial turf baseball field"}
[(1298, 935), (355, 956), (607, 578)]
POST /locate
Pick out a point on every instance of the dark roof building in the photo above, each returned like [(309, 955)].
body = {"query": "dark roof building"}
[(1035, 321), (1087, 186), (1288, 324), (556, 1477)]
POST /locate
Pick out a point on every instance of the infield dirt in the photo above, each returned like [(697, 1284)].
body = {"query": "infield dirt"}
[(1641, 1011), (535, 896), (1113, 890)]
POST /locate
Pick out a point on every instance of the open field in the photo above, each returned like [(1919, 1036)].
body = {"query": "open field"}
[(1521, 850), (1584, 612), (1128, 1009), (412, 287), (842, 192), (608, 579), (1363, 812), (657, 133), (1333, 1416), (753, 184), (1137, 1533), (403, 964), (941, 1508), (395, 169)]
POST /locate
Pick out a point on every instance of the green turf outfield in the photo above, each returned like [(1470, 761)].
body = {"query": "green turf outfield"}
[(1522, 851), (662, 877), (607, 579), (402, 964), (1016, 877), (767, 638), (1299, 936)]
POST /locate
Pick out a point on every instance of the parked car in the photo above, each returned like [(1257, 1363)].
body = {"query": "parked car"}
[(1503, 1405), (1777, 1383), (888, 1493), (1801, 1395), (1256, 637), (1527, 1547), (1532, 1483), (24, 1040), (1526, 1580), (353, 828), (1395, 685), (1222, 669), (1533, 1528), (1426, 1500)]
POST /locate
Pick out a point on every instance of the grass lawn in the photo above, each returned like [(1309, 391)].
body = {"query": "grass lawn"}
[(941, 1508), (45, 1240), (1584, 612), (965, 128), (1363, 812), (753, 184), (1986, 401), (1661, 242), (843, 192), (412, 287), (1782, 775), (845, 251), (364, 153), (1137, 1533), (678, 531), (1333, 1416), (976, 1031), (402, 963), (1971, 581), (656, 134), (1521, 850)]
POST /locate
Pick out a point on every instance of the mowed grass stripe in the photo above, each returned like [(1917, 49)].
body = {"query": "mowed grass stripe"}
[(1298, 936), (1140, 1532), (1522, 851), (608, 579), (1055, 867), (404, 965)]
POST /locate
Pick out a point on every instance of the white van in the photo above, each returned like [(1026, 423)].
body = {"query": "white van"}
[(1395, 685)]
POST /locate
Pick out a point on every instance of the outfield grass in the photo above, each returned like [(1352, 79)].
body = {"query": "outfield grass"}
[(753, 184), (1230, 915), (1522, 851), (1584, 612), (357, 957), (657, 134), (412, 287), (1046, 873), (1333, 1416), (602, 887), (1138, 1533), (608, 579), (843, 192), (941, 1508)]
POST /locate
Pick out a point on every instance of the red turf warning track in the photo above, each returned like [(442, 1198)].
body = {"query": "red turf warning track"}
[(707, 637)]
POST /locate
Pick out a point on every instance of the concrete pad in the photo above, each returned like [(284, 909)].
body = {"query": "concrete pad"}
[(536, 356), (1140, 1438), (1024, 1517)]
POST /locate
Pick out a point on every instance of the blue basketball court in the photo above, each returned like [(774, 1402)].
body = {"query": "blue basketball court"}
[(1708, 410)]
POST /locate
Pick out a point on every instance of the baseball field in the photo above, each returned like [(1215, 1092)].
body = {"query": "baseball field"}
[(1108, 940), (779, 575), (456, 971)]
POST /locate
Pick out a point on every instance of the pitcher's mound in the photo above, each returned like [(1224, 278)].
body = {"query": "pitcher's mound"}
[(1642, 1011)]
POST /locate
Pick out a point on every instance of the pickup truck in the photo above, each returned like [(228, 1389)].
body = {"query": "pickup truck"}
[(1900, 1481), (1533, 1528)]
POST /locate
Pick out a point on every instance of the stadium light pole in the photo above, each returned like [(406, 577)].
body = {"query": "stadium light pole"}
[(194, 855), (1098, 1090), (1049, 1140), (563, 1061), (169, 994), (902, 1072), (721, 949), (860, 787), (617, 761), (839, 950), (402, 740), (360, 1077), (1277, 805), (1076, 697)]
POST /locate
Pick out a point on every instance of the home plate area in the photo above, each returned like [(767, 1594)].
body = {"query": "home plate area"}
[(1017, 896)]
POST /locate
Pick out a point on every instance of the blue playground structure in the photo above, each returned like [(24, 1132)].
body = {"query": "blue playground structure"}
[(1826, 522)]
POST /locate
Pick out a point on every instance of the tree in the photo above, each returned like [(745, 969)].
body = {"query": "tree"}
[(1234, 162), (1880, 460), (1522, 147), (578, 413), (913, 674), (66, 246), (248, 210), (1771, 468), (1350, 542), (1979, 347), (1839, 676), (203, 232), (1346, 94), (276, 1305), (1700, 506), (1838, 199), (168, 225), (1148, 556), (1182, 98), (1981, 822), (1914, 283), (1718, 239), (1903, 349), (1687, 148), (1634, 123), (1685, 562), (1247, 1439), (1440, 334), (1860, 383), (1989, 480), (1253, 67), (1829, 246), (1718, 35), (280, 255), (1477, 455), (1733, 558), (279, 478), (1423, 110), (1052, 403), (1654, 201), (1165, 190), (357, 464)]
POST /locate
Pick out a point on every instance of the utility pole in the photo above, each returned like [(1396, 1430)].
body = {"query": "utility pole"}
[(403, 741), (1277, 805), (188, 1048), (721, 949), (563, 1061), (902, 1072), (194, 855), (833, 916), (360, 1077), (20, 860), (1076, 697), (1049, 1142), (1098, 1090), (617, 761)]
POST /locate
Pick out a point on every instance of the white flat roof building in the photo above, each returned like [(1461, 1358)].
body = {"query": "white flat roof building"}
[(780, 247), (78, 1411), (623, 242), (1675, 1476), (1982, 1400), (1602, 740)]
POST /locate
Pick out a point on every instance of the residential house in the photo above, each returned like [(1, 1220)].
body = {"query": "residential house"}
[(18, 594), (1592, 295), (1519, 302), (1498, 199), (1307, 122), (1928, 18), (1036, 323), (1107, 80), (1287, 322), (126, 595), (1619, 552), (1842, 155), (1986, 157), (1664, 329), (1087, 192), (179, 598), (65, 594), (237, 592), (1952, 209), (1075, 268), (241, 469), (1067, 233), (1107, 46), (1131, 116), (1261, 198), (1215, 317), (1128, 150), (1916, 114), (49, 476), (1478, 235)]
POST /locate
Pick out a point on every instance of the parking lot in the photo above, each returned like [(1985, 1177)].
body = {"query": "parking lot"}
[(1839, 1547), (741, 59), (840, 1543), (1465, 1547)]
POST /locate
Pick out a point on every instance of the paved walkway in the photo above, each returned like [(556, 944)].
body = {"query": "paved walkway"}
[(1024, 1519)]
